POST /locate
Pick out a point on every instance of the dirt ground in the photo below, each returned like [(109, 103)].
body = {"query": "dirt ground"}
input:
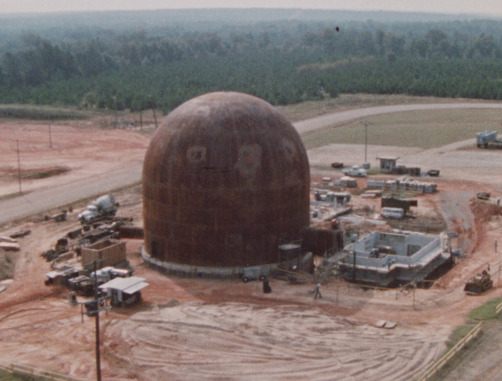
[(43, 154), (203, 329)]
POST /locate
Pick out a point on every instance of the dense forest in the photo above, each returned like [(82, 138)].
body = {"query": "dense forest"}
[(139, 60)]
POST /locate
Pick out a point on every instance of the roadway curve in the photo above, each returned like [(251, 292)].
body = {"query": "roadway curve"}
[(39, 201), (345, 116)]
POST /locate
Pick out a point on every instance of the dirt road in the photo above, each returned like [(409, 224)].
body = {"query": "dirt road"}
[(101, 176), (344, 116)]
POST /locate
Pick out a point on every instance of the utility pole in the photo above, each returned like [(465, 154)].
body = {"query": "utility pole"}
[(50, 135), (18, 166), (96, 299), (93, 309), (366, 140), (115, 111)]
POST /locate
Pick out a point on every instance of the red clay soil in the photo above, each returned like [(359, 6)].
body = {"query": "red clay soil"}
[(225, 329)]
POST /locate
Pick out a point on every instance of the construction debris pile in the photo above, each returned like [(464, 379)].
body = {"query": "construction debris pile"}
[(88, 257), (403, 183), (85, 235)]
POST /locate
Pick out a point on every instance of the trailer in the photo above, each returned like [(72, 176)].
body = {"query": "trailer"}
[(488, 139)]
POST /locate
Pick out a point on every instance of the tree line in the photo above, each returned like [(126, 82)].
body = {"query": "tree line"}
[(281, 62)]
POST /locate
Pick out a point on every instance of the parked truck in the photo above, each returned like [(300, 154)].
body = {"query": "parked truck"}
[(355, 171), (104, 206), (488, 138)]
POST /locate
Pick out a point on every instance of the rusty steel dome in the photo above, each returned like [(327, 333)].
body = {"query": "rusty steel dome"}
[(225, 182)]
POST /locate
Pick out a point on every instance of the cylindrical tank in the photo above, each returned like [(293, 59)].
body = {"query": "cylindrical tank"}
[(225, 181)]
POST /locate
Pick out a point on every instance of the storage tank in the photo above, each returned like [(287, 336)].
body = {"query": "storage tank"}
[(225, 182)]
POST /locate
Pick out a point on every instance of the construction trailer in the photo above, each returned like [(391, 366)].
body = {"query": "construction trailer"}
[(108, 252), (124, 291), (392, 259)]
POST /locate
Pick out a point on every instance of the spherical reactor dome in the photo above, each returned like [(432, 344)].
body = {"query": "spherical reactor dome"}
[(225, 182)]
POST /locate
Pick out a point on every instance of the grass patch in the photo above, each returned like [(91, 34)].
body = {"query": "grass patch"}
[(486, 311), (458, 334), (35, 174), (5, 376), (36, 112), (426, 130)]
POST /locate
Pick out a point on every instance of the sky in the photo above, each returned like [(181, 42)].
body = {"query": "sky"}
[(486, 7)]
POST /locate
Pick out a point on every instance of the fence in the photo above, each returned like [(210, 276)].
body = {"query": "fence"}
[(498, 309), (452, 352)]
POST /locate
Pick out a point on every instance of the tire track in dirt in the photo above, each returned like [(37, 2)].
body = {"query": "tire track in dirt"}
[(236, 341)]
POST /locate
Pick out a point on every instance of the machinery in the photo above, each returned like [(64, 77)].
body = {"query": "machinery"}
[(102, 207), (479, 283)]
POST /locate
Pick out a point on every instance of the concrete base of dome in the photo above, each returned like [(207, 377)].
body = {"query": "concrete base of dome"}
[(244, 273)]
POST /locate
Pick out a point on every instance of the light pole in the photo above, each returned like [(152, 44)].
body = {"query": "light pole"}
[(366, 140), (50, 135), (18, 167)]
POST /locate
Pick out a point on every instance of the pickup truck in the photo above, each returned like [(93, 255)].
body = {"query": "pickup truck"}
[(355, 171)]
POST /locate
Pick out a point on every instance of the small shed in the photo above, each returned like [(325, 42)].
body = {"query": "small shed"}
[(387, 164), (108, 252), (124, 291)]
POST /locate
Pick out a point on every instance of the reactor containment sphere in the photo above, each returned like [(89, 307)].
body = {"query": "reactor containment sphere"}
[(225, 182)]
